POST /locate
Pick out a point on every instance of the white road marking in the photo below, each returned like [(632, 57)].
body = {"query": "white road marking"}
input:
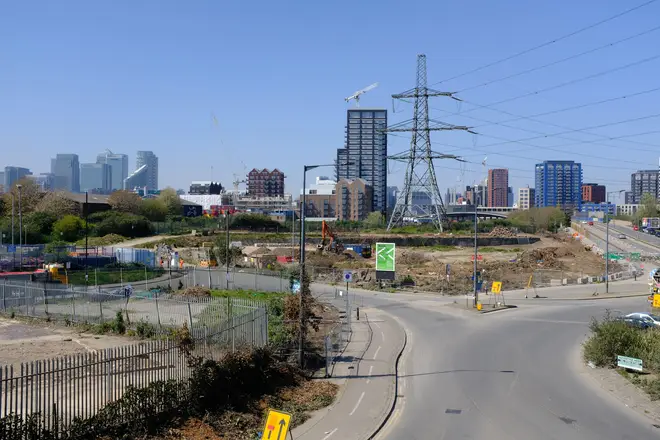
[(382, 335), (330, 434), (376, 354), (376, 324), (357, 404), (550, 321), (371, 368)]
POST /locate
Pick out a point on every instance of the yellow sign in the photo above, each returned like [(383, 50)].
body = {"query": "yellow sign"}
[(656, 300), (497, 287), (277, 425)]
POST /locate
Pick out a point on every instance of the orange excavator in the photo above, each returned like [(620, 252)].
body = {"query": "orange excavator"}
[(329, 241)]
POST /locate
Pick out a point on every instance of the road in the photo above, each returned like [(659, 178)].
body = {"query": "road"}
[(632, 243), (506, 375)]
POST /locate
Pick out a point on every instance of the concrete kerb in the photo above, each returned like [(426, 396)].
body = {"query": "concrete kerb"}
[(393, 397)]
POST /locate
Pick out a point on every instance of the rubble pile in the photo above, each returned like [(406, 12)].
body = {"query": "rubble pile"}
[(501, 231)]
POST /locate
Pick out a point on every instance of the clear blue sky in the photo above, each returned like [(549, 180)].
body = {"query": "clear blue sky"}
[(80, 76)]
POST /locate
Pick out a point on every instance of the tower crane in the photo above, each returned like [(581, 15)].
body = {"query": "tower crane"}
[(356, 96)]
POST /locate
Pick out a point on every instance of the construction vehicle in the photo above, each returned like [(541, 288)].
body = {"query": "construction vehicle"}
[(329, 241)]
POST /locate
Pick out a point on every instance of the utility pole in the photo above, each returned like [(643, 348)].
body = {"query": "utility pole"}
[(476, 290), (301, 324), (227, 249), (86, 238), (420, 177), (13, 208), (20, 224)]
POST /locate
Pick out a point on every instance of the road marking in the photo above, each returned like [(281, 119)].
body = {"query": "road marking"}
[(357, 404), (330, 434), (376, 354), (376, 324), (551, 321), (371, 368), (382, 335)]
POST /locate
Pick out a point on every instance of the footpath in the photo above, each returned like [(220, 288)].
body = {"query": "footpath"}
[(366, 375)]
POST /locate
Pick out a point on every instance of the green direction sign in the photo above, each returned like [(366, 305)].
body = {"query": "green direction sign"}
[(385, 257), (635, 256), (615, 256), (629, 363)]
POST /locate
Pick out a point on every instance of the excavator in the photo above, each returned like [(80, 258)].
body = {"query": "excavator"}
[(329, 241)]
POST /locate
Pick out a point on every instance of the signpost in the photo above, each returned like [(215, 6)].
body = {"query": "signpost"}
[(629, 363), (11, 248), (385, 261), (277, 425), (656, 300), (497, 287)]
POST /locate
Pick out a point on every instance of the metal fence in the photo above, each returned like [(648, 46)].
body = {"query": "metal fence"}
[(161, 310), (56, 391)]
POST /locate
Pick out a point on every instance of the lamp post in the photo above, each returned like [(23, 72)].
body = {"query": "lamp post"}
[(476, 290), (303, 207), (13, 209), (86, 237), (20, 224), (607, 239)]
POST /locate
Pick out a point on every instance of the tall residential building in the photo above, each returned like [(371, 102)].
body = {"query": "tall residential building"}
[(498, 187), (642, 182), (118, 168), (593, 192), (364, 155), (476, 194), (96, 178), (150, 160), (526, 198), (559, 184), (320, 198), (65, 169), (13, 175), (353, 199), (390, 198), (265, 183), (137, 180)]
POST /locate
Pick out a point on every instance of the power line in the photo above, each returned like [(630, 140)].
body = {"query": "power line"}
[(548, 43), (572, 57)]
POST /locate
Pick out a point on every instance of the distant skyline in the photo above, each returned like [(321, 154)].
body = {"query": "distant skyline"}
[(80, 77)]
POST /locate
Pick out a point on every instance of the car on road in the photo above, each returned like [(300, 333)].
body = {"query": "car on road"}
[(622, 236), (647, 317), (635, 322), (635, 228)]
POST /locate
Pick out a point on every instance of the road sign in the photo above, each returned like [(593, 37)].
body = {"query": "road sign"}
[(656, 300), (479, 258), (635, 256), (277, 425), (496, 287), (385, 257), (348, 276), (629, 363), (11, 248)]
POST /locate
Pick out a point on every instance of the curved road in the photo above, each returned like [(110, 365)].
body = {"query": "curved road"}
[(508, 375)]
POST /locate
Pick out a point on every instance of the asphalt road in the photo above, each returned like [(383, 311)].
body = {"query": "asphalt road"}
[(630, 244), (508, 375)]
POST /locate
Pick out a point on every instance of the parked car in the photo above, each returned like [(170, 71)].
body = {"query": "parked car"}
[(622, 236), (651, 319)]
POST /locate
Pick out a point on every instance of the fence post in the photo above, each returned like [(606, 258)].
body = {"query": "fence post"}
[(233, 330), (157, 310), (4, 298), (27, 307), (210, 281), (190, 315), (73, 303)]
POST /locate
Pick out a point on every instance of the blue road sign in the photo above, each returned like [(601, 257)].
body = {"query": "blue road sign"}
[(11, 248)]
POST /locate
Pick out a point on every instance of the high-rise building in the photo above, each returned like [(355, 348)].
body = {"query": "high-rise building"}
[(559, 184), (593, 192), (392, 192), (13, 175), (476, 194), (96, 178), (265, 183), (643, 182), (364, 155), (150, 160), (526, 198), (45, 181), (118, 168), (498, 187), (353, 199), (65, 169)]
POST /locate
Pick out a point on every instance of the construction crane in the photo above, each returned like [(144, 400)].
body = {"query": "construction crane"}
[(329, 241), (356, 96)]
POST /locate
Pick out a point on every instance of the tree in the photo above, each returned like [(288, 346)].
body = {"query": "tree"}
[(125, 201), (120, 223), (30, 193), (58, 204), (235, 253), (172, 201), (154, 209), (374, 220), (68, 228)]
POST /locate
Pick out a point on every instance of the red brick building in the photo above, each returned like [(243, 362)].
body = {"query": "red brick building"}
[(265, 183), (498, 187), (593, 193)]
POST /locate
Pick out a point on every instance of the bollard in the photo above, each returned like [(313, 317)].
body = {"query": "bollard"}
[(357, 309)]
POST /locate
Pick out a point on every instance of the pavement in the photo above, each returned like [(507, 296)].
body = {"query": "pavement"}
[(366, 375)]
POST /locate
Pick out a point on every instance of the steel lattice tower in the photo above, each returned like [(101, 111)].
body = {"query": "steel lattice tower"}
[(420, 177)]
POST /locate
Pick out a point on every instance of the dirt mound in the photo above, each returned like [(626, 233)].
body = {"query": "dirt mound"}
[(545, 257), (350, 253), (199, 291), (501, 231)]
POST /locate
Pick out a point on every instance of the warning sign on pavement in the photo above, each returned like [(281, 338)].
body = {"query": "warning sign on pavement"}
[(277, 425)]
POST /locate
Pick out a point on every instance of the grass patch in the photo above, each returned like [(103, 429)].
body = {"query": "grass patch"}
[(106, 240), (113, 276), (247, 294)]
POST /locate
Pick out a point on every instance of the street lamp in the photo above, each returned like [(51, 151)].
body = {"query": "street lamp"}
[(607, 239), (302, 256), (20, 223), (86, 236)]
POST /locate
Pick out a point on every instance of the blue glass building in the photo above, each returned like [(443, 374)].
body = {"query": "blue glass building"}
[(559, 184)]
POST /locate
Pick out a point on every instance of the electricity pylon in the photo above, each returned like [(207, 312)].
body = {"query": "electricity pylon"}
[(420, 197)]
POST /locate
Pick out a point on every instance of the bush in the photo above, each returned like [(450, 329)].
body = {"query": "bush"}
[(68, 228), (124, 224)]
